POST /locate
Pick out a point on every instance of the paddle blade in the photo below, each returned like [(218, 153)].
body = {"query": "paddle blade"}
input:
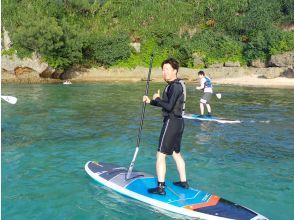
[(9, 99), (218, 95)]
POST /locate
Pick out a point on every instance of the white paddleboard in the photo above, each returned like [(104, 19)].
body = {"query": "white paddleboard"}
[(189, 202), (210, 118)]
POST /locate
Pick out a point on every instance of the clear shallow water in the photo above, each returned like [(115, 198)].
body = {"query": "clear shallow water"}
[(53, 130)]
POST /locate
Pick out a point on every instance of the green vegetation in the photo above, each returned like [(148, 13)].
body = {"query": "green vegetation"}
[(99, 32), (8, 52)]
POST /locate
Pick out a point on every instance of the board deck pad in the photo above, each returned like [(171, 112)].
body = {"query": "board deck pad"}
[(211, 118), (190, 202)]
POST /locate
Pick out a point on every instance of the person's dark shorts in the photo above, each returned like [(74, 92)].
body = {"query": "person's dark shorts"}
[(171, 135), (206, 98)]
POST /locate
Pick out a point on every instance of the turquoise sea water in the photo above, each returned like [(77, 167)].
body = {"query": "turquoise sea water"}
[(53, 130)]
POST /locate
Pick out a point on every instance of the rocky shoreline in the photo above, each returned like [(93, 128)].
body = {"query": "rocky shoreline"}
[(278, 72), (242, 76)]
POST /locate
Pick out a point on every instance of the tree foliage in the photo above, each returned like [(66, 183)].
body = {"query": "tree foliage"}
[(108, 50), (99, 32)]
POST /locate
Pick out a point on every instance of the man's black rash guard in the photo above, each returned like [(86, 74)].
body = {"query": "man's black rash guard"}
[(172, 99)]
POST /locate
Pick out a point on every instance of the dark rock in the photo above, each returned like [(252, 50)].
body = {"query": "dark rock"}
[(57, 74), (47, 73), (289, 73)]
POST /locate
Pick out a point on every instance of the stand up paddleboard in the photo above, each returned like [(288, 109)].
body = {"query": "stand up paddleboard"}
[(189, 202), (210, 118)]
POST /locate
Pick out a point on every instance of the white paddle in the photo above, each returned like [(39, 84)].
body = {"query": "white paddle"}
[(9, 99), (218, 95)]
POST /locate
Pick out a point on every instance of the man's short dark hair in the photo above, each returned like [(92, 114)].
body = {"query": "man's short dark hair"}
[(201, 72), (173, 62)]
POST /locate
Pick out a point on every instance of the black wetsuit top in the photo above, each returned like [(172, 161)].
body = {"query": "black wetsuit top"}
[(172, 101)]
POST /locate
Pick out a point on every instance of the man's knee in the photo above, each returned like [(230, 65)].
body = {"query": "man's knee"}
[(160, 156), (177, 155)]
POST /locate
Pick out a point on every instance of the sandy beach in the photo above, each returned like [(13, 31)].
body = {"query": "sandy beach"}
[(256, 81), (240, 76), (252, 77)]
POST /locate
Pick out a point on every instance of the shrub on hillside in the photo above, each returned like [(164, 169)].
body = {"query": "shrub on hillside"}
[(285, 42), (217, 47), (109, 49), (262, 45)]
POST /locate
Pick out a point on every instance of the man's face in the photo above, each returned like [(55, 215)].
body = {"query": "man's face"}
[(168, 73)]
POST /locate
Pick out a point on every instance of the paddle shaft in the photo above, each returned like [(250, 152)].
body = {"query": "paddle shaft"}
[(141, 121)]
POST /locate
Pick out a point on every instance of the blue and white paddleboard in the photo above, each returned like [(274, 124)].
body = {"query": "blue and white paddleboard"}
[(189, 202), (210, 118)]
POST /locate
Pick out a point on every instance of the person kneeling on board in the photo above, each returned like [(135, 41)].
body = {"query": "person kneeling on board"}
[(172, 104)]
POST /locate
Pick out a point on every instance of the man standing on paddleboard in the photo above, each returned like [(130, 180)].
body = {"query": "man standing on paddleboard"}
[(172, 104), (206, 86)]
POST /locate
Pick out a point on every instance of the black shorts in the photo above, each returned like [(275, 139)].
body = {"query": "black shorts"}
[(171, 135)]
